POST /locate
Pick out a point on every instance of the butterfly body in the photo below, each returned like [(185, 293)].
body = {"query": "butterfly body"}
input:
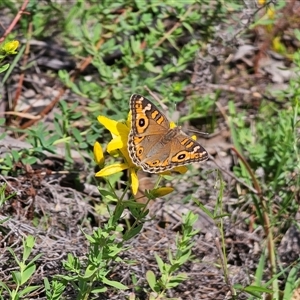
[(153, 145)]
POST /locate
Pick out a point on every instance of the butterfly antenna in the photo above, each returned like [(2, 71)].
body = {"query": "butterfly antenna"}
[(199, 132)]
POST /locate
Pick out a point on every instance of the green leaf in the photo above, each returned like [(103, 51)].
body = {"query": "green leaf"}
[(116, 284), (29, 160), (5, 219), (253, 289), (97, 290), (36, 258), (132, 232), (292, 282), (118, 212), (90, 271), (184, 258), (150, 67), (4, 68), (27, 273), (108, 194), (65, 277), (3, 285), (134, 204), (151, 279), (28, 244), (64, 107), (14, 295), (16, 275), (55, 290), (77, 135), (160, 263), (46, 283), (28, 290), (2, 121), (15, 154)]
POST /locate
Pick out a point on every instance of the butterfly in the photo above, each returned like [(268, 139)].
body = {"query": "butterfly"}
[(153, 145)]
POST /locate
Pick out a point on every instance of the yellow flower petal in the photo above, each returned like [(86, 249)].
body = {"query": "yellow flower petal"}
[(123, 129), (160, 192), (115, 144), (112, 169), (109, 124), (134, 182), (115, 128), (98, 153)]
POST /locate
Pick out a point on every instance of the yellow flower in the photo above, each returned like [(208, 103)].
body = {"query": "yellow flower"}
[(10, 47), (261, 2), (117, 146), (278, 46)]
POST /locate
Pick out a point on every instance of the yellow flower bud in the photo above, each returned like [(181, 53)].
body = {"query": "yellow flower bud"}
[(98, 154), (162, 191)]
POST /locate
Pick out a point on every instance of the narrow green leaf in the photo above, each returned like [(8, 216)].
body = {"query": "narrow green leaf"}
[(116, 284), (4, 68), (28, 290), (132, 232), (3, 285), (184, 257), (77, 135), (109, 195), (292, 283), (118, 212), (160, 263), (98, 290), (15, 154)]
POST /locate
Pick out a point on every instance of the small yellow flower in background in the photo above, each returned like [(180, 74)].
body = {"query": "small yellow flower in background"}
[(271, 13), (118, 147), (261, 2), (278, 46), (10, 47)]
